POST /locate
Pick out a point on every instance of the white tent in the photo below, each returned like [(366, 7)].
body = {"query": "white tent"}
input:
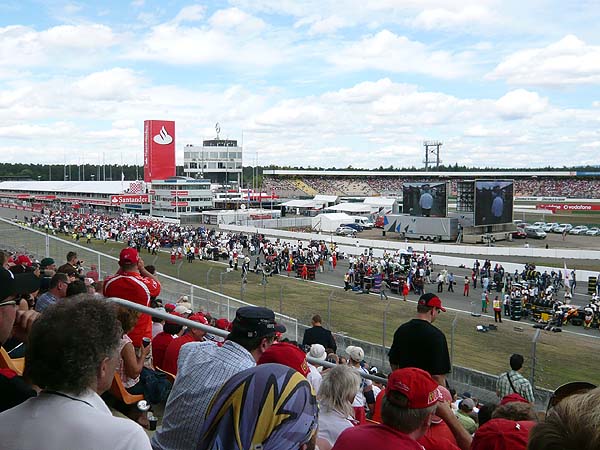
[(352, 208), (383, 204), (329, 222)]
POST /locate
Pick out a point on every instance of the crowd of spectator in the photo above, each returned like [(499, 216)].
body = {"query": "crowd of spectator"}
[(231, 392), (386, 185)]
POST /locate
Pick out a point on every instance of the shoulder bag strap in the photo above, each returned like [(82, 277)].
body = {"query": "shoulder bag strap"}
[(511, 383)]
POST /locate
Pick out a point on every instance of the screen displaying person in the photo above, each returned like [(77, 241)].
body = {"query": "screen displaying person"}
[(497, 204), (426, 201)]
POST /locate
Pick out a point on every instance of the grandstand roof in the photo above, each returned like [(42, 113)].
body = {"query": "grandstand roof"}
[(91, 187), (466, 175)]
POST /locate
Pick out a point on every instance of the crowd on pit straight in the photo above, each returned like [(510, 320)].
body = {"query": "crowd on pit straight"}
[(382, 185), (252, 389)]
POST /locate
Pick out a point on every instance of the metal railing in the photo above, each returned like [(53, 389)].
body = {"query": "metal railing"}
[(215, 331)]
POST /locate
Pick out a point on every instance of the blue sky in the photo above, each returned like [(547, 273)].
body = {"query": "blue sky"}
[(304, 83)]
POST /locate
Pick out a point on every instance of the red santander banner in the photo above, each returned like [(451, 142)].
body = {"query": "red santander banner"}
[(127, 199), (569, 206), (159, 149)]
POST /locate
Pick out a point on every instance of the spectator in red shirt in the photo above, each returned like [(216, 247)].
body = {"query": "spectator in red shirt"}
[(411, 399), (134, 283), (192, 334), (162, 341)]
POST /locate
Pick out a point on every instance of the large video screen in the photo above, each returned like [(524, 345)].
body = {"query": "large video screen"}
[(425, 199), (493, 202)]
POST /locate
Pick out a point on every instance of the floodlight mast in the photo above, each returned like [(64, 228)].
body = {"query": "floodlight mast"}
[(432, 147)]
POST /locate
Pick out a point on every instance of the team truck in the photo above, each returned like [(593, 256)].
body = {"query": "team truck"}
[(434, 229)]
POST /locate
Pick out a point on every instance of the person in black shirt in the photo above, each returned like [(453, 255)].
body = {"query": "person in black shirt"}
[(13, 389), (319, 335), (418, 343)]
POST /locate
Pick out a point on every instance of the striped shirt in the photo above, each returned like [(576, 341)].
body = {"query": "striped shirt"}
[(203, 369), (521, 384)]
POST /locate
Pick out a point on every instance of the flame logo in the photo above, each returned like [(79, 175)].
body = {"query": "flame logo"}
[(163, 138)]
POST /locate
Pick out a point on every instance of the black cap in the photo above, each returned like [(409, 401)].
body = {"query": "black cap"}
[(255, 321), (23, 283)]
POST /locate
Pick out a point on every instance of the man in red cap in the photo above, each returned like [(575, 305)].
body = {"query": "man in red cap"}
[(417, 343), (133, 282), (411, 399), (169, 362)]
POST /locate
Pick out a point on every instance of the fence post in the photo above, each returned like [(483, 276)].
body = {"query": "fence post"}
[(265, 293), (384, 332), (192, 295), (221, 282), (533, 356), (281, 299), (329, 309), (208, 277), (48, 245), (178, 268), (99, 268), (452, 334)]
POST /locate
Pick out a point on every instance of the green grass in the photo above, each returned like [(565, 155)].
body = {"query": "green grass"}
[(560, 357)]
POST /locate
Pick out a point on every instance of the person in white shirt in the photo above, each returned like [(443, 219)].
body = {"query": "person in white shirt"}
[(314, 377), (73, 354), (335, 398)]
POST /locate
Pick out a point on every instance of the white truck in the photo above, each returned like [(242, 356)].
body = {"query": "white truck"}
[(424, 228)]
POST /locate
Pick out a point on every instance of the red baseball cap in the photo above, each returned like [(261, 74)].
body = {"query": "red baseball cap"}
[(288, 355), (502, 434), (417, 385), (223, 324), (128, 256), (170, 307), (198, 317), (24, 260), (432, 301), (511, 398)]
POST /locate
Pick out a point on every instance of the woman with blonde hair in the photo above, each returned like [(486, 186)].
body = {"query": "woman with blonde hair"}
[(337, 392)]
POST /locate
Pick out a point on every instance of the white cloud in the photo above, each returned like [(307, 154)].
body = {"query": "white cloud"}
[(231, 37), (191, 13), (439, 18), (389, 52), (22, 46), (327, 25), (569, 61), (115, 84), (520, 103), (234, 18)]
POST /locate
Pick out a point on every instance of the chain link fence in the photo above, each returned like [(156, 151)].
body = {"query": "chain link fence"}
[(21, 239), (551, 359)]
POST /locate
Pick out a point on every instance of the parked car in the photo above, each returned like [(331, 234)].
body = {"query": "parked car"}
[(539, 224), (549, 227), (579, 229), (562, 227), (519, 234), (364, 222), (354, 226), (345, 231), (593, 232), (522, 225), (535, 232)]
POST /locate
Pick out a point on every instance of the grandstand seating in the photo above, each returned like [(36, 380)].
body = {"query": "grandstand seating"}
[(6, 362), (374, 185), (120, 393)]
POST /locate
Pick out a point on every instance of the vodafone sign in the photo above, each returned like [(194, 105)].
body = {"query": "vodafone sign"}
[(126, 199), (569, 206)]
